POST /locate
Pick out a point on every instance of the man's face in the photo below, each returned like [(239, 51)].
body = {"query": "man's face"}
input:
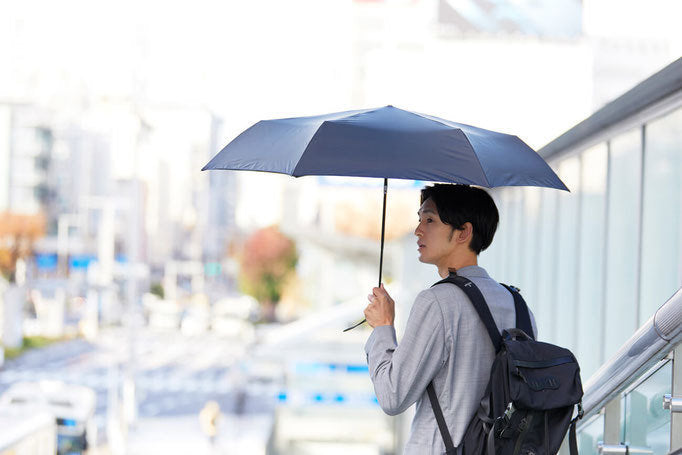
[(434, 238)]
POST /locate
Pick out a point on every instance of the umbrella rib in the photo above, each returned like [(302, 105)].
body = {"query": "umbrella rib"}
[(298, 162), (354, 114), (465, 137)]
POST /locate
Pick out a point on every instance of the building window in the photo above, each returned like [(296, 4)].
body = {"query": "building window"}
[(513, 258), (660, 269), (590, 288), (547, 265), (567, 253), (531, 247), (494, 257), (622, 240)]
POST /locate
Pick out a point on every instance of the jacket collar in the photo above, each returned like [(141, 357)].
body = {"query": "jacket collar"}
[(473, 271)]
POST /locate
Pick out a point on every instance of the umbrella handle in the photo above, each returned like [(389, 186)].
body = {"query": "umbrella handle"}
[(354, 326), (381, 255)]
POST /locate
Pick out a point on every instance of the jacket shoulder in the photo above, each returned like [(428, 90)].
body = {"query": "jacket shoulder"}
[(448, 297), (446, 291)]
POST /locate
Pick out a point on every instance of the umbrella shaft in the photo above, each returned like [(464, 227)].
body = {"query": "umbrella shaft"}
[(383, 229)]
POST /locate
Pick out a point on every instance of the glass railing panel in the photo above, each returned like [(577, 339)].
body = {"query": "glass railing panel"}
[(647, 424), (590, 434)]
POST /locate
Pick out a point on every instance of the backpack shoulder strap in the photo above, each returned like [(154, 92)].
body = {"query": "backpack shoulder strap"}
[(479, 304), (440, 420), (522, 314)]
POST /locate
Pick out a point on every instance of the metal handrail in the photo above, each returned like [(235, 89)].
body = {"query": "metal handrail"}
[(648, 345)]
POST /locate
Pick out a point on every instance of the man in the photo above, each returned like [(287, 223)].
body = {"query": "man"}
[(444, 340)]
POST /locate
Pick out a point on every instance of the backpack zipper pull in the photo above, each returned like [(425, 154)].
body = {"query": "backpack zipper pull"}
[(509, 411)]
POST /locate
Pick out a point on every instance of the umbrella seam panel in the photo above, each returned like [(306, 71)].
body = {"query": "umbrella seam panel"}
[(465, 137)]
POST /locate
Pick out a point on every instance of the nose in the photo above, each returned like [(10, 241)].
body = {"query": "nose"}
[(417, 230)]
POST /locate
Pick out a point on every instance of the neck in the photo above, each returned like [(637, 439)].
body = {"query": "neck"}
[(444, 269)]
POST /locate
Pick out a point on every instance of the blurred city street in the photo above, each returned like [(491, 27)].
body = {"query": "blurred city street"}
[(174, 377)]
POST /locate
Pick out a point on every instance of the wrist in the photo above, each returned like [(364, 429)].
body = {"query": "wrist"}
[(381, 324)]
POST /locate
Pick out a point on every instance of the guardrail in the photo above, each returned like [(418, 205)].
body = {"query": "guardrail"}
[(655, 341), (651, 343)]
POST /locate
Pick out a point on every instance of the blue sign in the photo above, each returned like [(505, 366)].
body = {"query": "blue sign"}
[(323, 398), (47, 262), (212, 268), (66, 422), (81, 261), (317, 368), (357, 369)]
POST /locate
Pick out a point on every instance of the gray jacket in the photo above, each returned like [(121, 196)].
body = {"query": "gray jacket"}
[(444, 341)]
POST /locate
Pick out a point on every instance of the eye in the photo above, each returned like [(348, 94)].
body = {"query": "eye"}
[(429, 220)]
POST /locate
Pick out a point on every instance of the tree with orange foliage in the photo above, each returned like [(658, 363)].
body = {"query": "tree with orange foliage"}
[(17, 234), (268, 259)]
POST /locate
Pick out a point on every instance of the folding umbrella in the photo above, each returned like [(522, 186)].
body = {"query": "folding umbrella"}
[(386, 142)]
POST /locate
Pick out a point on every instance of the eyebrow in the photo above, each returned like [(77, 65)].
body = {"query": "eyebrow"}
[(419, 212)]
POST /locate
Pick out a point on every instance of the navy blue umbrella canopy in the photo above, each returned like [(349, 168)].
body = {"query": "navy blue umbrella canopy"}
[(387, 143)]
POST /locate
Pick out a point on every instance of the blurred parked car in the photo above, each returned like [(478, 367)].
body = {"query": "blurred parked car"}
[(233, 316), (195, 320), (162, 314), (27, 431), (72, 407)]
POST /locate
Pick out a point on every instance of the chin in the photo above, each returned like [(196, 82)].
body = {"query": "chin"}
[(424, 260)]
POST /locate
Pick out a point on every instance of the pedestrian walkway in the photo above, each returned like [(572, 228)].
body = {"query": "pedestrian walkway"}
[(182, 435)]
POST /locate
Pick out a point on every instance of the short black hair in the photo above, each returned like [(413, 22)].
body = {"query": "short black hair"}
[(457, 204)]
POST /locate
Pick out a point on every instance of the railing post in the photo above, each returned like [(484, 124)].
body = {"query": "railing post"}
[(676, 417), (612, 413)]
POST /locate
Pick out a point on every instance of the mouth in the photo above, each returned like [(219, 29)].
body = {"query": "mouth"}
[(420, 246)]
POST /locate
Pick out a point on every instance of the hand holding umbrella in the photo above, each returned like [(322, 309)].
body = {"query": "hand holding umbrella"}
[(381, 308)]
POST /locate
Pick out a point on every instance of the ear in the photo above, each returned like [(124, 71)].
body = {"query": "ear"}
[(465, 234)]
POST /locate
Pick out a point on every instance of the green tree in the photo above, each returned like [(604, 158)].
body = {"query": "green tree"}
[(157, 290), (267, 261)]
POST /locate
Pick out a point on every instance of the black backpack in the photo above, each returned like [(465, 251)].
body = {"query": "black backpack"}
[(530, 398)]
